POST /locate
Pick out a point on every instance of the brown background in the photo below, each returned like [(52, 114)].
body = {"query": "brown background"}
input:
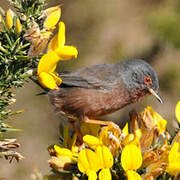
[(103, 31)]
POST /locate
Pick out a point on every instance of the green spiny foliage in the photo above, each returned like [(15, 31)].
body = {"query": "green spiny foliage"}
[(14, 59)]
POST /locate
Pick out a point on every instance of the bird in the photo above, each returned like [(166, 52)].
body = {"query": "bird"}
[(89, 93)]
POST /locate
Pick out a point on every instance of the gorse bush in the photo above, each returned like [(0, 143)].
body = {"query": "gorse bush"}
[(28, 49)]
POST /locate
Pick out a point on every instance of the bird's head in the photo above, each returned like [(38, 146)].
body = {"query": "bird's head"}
[(140, 77)]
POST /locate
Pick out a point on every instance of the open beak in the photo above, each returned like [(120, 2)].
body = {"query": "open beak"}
[(155, 94)]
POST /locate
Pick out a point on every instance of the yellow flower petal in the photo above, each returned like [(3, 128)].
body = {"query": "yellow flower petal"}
[(174, 160), (47, 80), (173, 168), (177, 111), (93, 160), (105, 157), (91, 141), (88, 161), (92, 175), (9, 18), (131, 157), (52, 19), (125, 130), (48, 11), (18, 26), (48, 62), (111, 137), (158, 120), (161, 123), (136, 142), (174, 155), (128, 139), (62, 151), (132, 175), (56, 78), (83, 164), (67, 52), (59, 39), (99, 153), (105, 174)]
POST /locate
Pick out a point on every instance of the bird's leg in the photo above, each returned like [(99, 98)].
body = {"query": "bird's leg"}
[(105, 123), (79, 135)]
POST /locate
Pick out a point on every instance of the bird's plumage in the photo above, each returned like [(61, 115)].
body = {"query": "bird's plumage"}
[(101, 89)]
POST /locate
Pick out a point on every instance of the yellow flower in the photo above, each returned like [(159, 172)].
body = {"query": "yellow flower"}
[(105, 174), (18, 26), (53, 15), (40, 38), (131, 159), (125, 130), (132, 175), (88, 163), (47, 64), (9, 18), (91, 141), (177, 111), (48, 11), (65, 152), (105, 157), (47, 80), (45, 71), (62, 151), (57, 44), (174, 160), (111, 137), (62, 158), (128, 139), (158, 120)]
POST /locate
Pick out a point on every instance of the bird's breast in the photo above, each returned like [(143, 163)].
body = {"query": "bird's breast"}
[(93, 103)]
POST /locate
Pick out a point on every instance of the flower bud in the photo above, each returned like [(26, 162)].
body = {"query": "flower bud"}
[(9, 18), (18, 26)]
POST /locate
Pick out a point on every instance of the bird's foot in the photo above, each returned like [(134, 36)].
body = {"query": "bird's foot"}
[(100, 122)]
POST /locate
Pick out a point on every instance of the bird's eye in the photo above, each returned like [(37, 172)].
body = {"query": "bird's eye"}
[(147, 80)]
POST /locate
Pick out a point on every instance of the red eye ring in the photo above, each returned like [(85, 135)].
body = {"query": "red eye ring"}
[(147, 80)]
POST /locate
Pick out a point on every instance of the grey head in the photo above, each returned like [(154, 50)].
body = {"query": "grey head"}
[(139, 76)]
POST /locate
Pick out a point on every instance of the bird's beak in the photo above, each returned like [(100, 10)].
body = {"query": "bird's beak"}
[(158, 97)]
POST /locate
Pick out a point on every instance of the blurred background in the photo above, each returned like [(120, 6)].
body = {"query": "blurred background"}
[(104, 32)]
